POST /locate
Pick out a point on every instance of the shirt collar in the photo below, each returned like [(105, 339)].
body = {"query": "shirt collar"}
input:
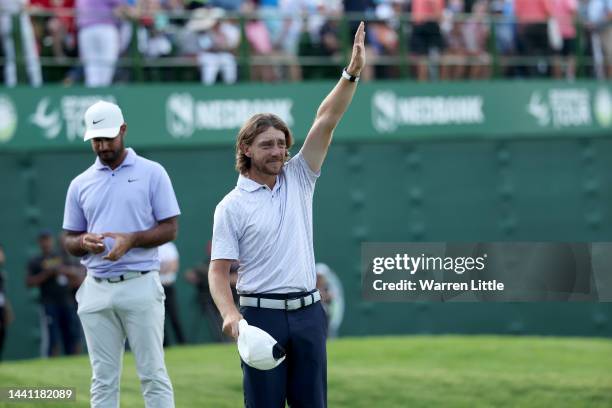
[(250, 185), (129, 160)]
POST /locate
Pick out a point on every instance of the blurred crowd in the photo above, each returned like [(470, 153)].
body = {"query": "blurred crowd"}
[(53, 276), (99, 42)]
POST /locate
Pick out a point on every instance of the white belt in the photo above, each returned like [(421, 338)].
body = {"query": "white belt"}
[(282, 304)]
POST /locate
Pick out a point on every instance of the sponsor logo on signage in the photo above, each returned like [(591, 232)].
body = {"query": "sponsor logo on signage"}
[(603, 107), (67, 115), (179, 115), (561, 108), (185, 115), (390, 111), (8, 119)]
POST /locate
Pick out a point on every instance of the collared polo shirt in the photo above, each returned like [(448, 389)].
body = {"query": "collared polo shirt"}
[(269, 231), (133, 197)]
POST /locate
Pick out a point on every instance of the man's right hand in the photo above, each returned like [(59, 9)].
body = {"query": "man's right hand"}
[(93, 243), (358, 58), (230, 324)]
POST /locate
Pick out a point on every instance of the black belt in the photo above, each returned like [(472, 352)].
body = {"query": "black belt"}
[(126, 276)]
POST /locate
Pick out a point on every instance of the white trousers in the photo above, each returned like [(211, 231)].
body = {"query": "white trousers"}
[(99, 51), (213, 62), (109, 313), (30, 51)]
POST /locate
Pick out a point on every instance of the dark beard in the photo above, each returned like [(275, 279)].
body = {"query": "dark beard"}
[(109, 157), (263, 169)]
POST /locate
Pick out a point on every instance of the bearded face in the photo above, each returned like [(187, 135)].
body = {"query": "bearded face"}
[(268, 152), (109, 150)]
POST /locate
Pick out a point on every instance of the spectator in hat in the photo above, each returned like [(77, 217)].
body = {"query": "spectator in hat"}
[(217, 41), (153, 31)]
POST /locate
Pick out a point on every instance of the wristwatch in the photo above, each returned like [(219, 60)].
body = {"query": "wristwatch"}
[(349, 77)]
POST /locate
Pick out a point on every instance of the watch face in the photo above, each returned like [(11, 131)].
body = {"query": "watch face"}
[(348, 76)]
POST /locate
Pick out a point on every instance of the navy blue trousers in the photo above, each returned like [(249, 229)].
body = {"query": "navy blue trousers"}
[(300, 380)]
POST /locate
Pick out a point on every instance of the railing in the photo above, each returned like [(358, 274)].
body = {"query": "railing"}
[(395, 59)]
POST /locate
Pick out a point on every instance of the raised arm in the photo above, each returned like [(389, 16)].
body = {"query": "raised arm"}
[(333, 107)]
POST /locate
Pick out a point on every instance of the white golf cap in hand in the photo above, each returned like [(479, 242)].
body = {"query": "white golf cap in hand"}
[(257, 348)]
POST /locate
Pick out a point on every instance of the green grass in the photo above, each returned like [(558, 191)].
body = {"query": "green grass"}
[(418, 371)]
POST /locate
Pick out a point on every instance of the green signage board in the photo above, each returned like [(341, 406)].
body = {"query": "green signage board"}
[(186, 115)]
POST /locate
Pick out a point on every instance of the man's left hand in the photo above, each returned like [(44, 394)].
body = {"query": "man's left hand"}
[(123, 243), (358, 58)]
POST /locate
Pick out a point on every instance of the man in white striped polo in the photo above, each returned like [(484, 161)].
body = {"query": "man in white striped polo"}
[(265, 223)]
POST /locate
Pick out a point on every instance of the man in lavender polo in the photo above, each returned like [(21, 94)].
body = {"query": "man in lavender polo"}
[(99, 38), (117, 213)]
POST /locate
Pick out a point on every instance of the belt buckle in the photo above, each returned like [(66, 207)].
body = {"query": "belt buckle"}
[(289, 306), (301, 304)]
